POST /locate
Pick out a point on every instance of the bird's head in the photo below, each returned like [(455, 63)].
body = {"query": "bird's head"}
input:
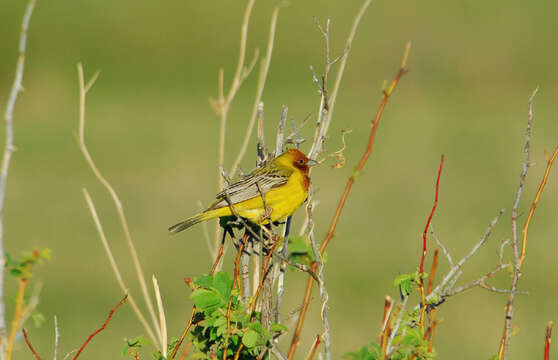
[(295, 159)]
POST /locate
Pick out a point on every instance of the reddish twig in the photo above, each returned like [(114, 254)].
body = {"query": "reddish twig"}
[(263, 277), (432, 272), (315, 347), (234, 284), (102, 327), (421, 269), (184, 333), (431, 337), (547, 338), (217, 258), (534, 205), (308, 293), (29, 345)]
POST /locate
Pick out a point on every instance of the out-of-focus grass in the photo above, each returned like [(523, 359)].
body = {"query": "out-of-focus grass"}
[(152, 132)]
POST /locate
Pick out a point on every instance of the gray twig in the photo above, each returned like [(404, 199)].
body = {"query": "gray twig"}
[(56, 337), (284, 253), (281, 131), (444, 250), (454, 272), (503, 352), (264, 69), (323, 291), (8, 150), (389, 347)]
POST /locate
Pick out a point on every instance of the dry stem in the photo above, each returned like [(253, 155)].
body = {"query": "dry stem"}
[(9, 148), (534, 204), (101, 328), (162, 319), (432, 272), (83, 89), (28, 342), (343, 62), (331, 231), (504, 343), (264, 69), (56, 338), (421, 268), (17, 317), (115, 268), (547, 337)]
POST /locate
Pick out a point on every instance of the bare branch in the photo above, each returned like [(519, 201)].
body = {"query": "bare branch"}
[(264, 68), (56, 338), (341, 204), (534, 205), (112, 311), (397, 326), (343, 63), (8, 150), (115, 268), (162, 319), (83, 87), (446, 285), (323, 291), (547, 337), (28, 342), (281, 131), (504, 343), (444, 250)]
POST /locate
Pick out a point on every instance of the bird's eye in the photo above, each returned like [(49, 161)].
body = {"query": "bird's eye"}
[(301, 161)]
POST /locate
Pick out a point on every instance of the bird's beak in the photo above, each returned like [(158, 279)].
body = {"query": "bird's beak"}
[(311, 162)]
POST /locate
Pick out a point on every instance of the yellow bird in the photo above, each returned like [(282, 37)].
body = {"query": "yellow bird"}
[(283, 184)]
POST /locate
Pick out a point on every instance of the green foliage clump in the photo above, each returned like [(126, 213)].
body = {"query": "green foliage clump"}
[(21, 268), (370, 352), (133, 345), (216, 329), (410, 341), (406, 282)]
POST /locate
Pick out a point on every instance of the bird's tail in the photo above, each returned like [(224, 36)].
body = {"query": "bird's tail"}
[(190, 222)]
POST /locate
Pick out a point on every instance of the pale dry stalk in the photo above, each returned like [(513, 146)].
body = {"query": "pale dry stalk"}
[(9, 148), (83, 89)]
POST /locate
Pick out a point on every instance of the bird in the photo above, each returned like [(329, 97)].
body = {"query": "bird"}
[(268, 194)]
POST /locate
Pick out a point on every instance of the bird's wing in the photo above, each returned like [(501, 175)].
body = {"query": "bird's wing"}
[(265, 178)]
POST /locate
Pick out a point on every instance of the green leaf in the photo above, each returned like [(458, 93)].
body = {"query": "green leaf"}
[(205, 299), (204, 281), (250, 339), (279, 327), (223, 283)]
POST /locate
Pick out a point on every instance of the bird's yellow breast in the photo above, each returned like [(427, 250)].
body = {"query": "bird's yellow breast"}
[(281, 202)]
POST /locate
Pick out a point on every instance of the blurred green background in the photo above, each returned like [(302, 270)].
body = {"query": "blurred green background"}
[(153, 134)]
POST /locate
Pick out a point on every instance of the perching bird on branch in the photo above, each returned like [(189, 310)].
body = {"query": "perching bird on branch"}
[(267, 194)]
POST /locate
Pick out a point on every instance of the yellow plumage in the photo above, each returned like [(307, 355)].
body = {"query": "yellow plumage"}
[(283, 183)]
